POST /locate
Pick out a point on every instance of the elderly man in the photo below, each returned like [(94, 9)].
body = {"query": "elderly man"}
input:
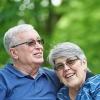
[(24, 79)]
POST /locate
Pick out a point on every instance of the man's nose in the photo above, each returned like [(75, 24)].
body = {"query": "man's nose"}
[(38, 45)]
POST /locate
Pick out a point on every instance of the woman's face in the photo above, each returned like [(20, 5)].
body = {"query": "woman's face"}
[(71, 71)]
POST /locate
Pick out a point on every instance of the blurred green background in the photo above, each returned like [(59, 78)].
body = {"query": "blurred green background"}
[(56, 21)]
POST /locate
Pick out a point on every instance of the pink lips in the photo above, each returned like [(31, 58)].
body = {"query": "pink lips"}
[(38, 54)]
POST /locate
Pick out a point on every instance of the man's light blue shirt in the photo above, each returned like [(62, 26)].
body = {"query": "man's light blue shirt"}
[(14, 85)]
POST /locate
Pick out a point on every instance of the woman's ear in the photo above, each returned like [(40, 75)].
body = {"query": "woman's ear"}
[(13, 53), (84, 64)]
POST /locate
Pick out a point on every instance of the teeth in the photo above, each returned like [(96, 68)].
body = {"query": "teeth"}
[(68, 76), (38, 55)]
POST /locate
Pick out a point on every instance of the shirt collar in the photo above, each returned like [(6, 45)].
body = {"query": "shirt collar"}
[(88, 75), (18, 73)]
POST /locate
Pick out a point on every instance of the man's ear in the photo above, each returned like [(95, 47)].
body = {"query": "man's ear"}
[(13, 53)]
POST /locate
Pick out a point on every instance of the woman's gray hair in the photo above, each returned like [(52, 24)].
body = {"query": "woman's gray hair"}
[(66, 49), (10, 37)]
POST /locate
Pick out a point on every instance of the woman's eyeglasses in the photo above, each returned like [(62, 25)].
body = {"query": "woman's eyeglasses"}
[(69, 62)]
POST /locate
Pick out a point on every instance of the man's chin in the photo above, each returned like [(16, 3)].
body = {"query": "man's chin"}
[(39, 61)]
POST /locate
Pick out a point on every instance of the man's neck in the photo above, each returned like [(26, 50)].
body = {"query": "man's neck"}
[(27, 69)]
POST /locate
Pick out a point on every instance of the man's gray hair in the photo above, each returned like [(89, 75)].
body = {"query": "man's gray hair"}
[(66, 49), (10, 37)]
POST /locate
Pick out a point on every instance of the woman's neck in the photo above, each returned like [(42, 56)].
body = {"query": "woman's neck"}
[(73, 93)]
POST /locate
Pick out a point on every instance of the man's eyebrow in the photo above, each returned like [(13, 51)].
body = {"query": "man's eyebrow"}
[(34, 39)]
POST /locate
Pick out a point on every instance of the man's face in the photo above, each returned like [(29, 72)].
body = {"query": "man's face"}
[(71, 72), (30, 50)]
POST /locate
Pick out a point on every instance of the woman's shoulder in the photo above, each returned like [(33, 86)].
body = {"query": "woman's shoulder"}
[(94, 79), (93, 83), (91, 89)]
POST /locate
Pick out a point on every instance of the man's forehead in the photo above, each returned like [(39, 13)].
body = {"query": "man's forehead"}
[(29, 34)]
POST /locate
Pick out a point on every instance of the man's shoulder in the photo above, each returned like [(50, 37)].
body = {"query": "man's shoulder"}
[(5, 69), (2, 69), (49, 72)]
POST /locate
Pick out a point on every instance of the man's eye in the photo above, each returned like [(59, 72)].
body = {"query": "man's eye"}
[(31, 43)]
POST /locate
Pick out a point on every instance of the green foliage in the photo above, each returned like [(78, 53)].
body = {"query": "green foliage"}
[(77, 21)]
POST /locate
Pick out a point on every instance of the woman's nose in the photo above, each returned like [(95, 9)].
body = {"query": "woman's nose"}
[(66, 67)]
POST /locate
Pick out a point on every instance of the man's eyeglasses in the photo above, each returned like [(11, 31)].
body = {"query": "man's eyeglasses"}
[(30, 43), (69, 62)]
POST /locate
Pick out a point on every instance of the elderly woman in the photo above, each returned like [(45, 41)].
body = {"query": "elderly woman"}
[(70, 64)]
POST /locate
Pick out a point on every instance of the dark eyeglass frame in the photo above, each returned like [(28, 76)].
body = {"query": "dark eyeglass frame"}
[(30, 43), (69, 62)]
